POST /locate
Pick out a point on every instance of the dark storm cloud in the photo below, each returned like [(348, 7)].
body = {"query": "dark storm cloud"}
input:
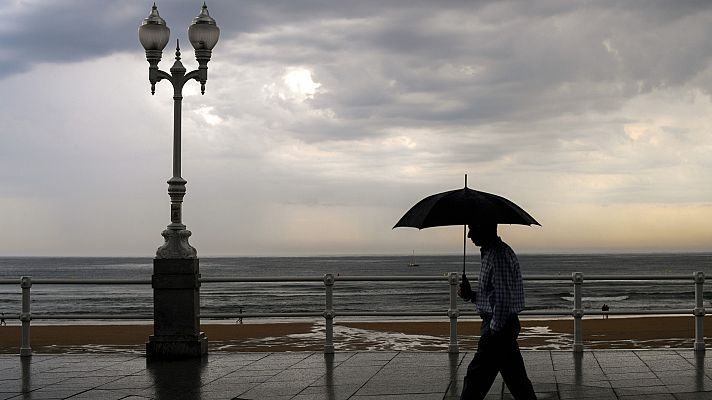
[(76, 30), (524, 48), (481, 64), (66, 31)]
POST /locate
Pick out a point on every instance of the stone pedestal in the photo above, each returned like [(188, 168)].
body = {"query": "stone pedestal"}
[(176, 307)]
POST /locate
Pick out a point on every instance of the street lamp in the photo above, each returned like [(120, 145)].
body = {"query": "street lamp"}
[(176, 272), (153, 35)]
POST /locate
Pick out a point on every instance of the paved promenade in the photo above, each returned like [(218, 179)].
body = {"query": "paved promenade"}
[(606, 374)]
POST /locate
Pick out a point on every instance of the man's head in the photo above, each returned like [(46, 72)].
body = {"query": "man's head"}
[(482, 233)]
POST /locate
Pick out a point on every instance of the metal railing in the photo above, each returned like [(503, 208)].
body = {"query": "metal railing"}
[(329, 314), (26, 316)]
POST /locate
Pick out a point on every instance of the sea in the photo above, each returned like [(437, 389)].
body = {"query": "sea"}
[(390, 296)]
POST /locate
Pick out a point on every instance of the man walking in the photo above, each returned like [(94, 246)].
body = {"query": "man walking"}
[(499, 301)]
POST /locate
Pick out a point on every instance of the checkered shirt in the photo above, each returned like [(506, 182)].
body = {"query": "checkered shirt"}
[(501, 291)]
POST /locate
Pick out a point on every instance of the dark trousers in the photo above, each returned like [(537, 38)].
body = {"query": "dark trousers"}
[(497, 353)]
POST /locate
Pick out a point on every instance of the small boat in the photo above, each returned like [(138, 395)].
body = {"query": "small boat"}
[(412, 262)]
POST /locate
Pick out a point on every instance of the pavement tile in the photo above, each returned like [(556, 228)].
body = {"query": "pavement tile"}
[(547, 396), (308, 375), (323, 360), (630, 364), (44, 395), (538, 388), (335, 392), (693, 396), (646, 354), (225, 384), (427, 359), (640, 391), (624, 374), (346, 376), (543, 382), (371, 358), (135, 397), (10, 386), (602, 384), (621, 374), (578, 395), (670, 365), (636, 383), (275, 389), (544, 387), (395, 388), (611, 371), (598, 380), (583, 389), (682, 373), (100, 394), (687, 380), (688, 389), (655, 396), (420, 396), (129, 382)]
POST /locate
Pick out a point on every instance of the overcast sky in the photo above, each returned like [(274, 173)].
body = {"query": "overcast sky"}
[(324, 121)]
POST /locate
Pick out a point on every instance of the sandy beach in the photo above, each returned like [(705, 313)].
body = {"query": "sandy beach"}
[(628, 332)]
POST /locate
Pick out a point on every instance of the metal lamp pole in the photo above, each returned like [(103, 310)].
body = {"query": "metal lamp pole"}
[(176, 273), (153, 35)]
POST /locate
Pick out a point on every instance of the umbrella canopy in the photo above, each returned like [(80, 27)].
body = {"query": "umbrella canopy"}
[(463, 207)]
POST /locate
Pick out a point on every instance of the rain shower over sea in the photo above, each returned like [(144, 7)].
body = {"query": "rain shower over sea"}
[(348, 295)]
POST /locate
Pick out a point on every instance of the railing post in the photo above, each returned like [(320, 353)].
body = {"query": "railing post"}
[(577, 312), (25, 316), (453, 313), (699, 311), (329, 314)]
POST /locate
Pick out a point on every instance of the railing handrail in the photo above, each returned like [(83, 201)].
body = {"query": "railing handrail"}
[(328, 280), (435, 278), (79, 281), (93, 316), (350, 278)]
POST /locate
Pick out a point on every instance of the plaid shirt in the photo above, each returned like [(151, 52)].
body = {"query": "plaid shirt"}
[(501, 291)]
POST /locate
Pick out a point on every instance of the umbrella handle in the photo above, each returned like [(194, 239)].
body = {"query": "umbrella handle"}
[(464, 241), (464, 244)]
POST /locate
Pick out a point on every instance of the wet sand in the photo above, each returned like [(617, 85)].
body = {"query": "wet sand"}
[(619, 332), (629, 332)]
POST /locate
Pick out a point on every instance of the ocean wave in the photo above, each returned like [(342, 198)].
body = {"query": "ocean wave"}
[(348, 296)]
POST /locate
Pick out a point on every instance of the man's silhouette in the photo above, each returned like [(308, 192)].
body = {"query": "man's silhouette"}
[(499, 301)]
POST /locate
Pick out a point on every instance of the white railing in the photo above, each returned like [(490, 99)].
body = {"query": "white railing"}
[(328, 313)]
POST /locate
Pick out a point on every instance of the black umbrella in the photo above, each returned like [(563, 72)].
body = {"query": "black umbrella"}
[(463, 207)]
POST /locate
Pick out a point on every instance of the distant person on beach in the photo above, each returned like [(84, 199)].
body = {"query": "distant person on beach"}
[(2, 320), (605, 309), (499, 301)]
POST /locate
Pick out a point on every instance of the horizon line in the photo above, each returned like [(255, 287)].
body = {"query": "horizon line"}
[(434, 254)]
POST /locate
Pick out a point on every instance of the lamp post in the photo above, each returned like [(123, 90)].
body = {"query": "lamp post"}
[(176, 272)]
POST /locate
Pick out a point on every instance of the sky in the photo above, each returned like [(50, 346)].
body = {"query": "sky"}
[(324, 121)]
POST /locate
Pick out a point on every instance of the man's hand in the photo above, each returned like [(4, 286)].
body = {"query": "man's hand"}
[(464, 290), (464, 293)]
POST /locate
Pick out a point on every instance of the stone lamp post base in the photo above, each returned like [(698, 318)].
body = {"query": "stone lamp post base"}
[(176, 310), (176, 347)]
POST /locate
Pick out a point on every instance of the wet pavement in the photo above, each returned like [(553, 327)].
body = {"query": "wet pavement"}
[(599, 374)]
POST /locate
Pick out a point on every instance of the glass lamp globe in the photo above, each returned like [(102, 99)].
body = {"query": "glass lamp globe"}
[(203, 33), (153, 32)]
